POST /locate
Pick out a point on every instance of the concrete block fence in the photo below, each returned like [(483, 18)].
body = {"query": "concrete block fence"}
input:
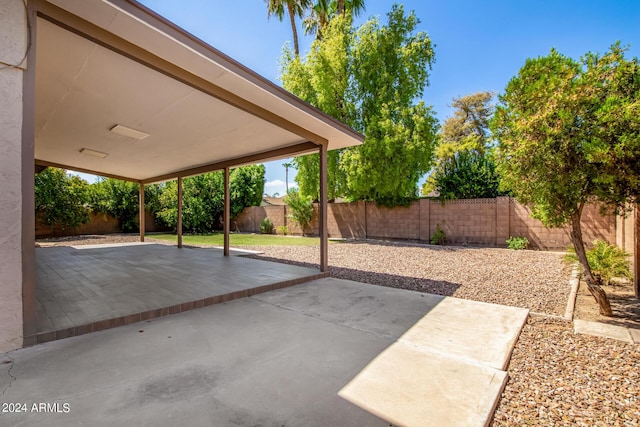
[(486, 222)]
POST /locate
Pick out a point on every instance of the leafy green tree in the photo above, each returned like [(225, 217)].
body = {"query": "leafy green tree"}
[(203, 198), (301, 208), (467, 175), (60, 198), (370, 80), (246, 185), (295, 9), (202, 203), (569, 134), (467, 130), (121, 200)]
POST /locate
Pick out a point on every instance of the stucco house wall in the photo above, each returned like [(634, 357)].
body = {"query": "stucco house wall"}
[(12, 49)]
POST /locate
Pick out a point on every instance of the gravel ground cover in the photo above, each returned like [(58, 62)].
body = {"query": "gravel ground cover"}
[(530, 279), (556, 378)]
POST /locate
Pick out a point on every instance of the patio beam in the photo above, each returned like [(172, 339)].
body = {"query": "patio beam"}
[(227, 211), (284, 152), (44, 163), (141, 213), (179, 226), (322, 207)]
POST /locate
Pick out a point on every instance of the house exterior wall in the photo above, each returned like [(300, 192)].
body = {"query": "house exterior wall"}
[(13, 36)]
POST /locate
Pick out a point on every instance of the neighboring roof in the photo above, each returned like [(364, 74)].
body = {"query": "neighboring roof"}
[(273, 201), (104, 63)]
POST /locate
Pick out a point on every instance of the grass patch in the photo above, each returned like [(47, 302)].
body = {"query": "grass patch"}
[(239, 239)]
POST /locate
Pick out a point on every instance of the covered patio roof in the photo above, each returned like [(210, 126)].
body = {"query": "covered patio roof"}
[(115, 63), (113, 89)]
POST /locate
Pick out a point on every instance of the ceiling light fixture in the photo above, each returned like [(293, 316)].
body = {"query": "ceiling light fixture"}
[(93, 153), (131, 133)]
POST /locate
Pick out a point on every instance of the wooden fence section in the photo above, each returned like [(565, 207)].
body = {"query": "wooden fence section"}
[(486, 222)]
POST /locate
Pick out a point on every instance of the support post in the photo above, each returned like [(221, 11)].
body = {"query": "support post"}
[(141, 213), (324, 235), (26, 182), (636, 251), (227, 211), (179, 226)]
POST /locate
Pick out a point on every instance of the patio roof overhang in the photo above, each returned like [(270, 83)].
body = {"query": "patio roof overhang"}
[(102, 63)]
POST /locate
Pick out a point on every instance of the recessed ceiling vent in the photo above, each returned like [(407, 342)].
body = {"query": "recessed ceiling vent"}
[(94, 153), (128, 132)]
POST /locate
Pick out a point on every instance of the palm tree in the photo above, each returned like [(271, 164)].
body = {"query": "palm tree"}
[(322, 11), (294, 8), (318, 18), (287, 165)]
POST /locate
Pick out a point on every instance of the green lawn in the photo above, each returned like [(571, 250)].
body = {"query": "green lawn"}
[(240, 239)]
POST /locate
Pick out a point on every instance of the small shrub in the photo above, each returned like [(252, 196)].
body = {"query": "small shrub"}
[(266, 226), (439, 237), (606, 261), (517, 243), (283, 230), (301, 208)]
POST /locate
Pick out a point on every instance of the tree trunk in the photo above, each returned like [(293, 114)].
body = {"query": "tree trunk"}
[(340, 7), (578, 244), (292, 18)]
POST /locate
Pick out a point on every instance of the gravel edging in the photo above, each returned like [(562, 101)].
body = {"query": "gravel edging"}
[(559, 378)]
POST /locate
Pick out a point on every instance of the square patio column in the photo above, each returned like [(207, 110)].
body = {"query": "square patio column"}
[(141, 213), (179, 226), (227, 211), (636, 251), (322, 208)]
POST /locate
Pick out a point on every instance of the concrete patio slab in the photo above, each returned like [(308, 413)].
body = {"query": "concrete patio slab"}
[(277, 358), (600, 329), (410, 387), (88, 288), (476, 332)]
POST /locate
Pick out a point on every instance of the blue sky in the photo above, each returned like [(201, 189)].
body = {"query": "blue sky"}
[(479, 45)]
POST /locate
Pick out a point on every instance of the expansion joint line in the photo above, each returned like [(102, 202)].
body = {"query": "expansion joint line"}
[(13, 377)]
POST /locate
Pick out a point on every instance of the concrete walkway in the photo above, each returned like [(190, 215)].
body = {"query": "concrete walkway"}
[(600, 329), (281, 358)]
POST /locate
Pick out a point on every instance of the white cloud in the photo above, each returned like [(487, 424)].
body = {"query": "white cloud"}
[(278, 186), (275, 183)]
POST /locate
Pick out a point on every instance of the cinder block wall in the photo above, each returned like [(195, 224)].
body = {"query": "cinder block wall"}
[(470, 221), (487, 222), (99, 223), (393, 223)]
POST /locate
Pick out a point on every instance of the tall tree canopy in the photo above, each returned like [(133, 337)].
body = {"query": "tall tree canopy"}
[(468, 128), (323, 11), (203, 198), (369, 78), (569, 134), (461, 153), (60, 198)]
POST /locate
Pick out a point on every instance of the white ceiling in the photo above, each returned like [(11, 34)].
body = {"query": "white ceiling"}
[(84, 89)]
